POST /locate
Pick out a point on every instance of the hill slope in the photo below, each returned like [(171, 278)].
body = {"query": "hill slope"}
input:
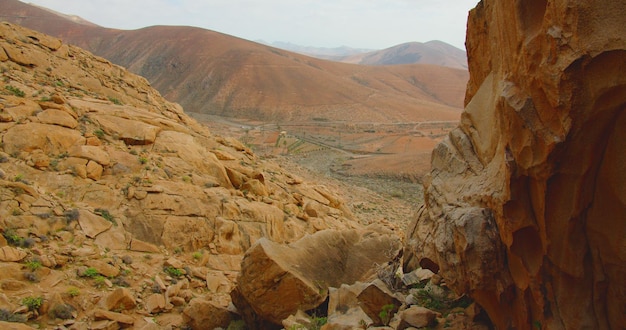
[(432, 52), (209, 72), (102, 180)]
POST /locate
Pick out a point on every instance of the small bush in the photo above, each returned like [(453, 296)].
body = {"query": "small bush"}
[(99, 133), (106, 215), (62, 311), (12, 237), (71, 215), (33, 265), (197, 255), (386, 313), (115, 100), (15, 91), (174, 272), (7, 316), (31, 276), (99, 281), (33, 303), (90, 272), (28, 243), (127, 259), (73, 292)]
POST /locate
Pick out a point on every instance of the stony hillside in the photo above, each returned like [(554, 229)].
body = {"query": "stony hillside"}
[(110, 193), (209, 72)]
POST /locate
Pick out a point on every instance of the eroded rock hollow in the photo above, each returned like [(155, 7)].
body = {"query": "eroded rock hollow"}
[(526, 201)]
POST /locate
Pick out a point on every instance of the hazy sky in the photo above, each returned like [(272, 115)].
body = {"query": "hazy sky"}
[(374, 24)]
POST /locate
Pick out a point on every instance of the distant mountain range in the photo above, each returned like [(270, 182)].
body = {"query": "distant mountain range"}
[(210, 72), (433, 52)]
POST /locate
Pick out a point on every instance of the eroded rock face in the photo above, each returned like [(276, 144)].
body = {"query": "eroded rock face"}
[(525, 203)]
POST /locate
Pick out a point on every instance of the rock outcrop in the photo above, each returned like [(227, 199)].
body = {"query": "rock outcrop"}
[(525, 203)]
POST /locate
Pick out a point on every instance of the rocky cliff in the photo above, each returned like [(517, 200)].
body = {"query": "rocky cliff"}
[(525, 204), (116, 208)]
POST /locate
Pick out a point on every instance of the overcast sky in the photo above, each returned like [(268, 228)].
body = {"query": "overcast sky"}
[(373, 24)]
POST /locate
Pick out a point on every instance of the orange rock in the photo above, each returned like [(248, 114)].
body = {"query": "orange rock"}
[(525, 200)]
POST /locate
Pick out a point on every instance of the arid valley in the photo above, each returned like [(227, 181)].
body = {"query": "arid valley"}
[(175, 177)]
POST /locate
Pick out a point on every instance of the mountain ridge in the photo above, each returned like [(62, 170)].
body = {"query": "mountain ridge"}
[(431, 52), (209, 72)]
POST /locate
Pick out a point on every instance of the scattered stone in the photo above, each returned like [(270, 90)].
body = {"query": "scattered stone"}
[(417, 317), (8, 254), (100, 314), (141, 246), (119, 299), (92, 224), (155, 303), (202, 314), (103, 268)]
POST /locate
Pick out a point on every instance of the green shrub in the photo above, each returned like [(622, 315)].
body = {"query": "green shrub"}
[(15, 91), (99, 133), (12, 237), (33, 265), (62, 311), (71, 215), (33, 303), (91, 272), (174, 272), (7, 316), (99, 281), (73, 291), (386, 313), (197, 255), (106, 215), (115, 100)]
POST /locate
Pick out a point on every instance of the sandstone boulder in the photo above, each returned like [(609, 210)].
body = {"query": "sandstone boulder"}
[(416, 317), (119, 299), (57, 117), (92, 224), (202, 314), (100, 314), (8, 253), (276, 280), (52, 139)]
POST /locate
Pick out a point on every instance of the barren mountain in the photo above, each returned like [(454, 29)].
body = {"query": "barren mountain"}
[(433, 52), (319, 52), (209, 72)]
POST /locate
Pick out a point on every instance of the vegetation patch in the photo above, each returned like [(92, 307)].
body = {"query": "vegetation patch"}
[(15, 91)]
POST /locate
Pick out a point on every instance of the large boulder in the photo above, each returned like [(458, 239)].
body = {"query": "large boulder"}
[(525, 203), (278, 280)]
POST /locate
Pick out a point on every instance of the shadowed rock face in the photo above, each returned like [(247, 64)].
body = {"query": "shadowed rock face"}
[(525, 203)]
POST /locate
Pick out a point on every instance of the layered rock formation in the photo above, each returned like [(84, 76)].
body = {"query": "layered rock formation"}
[(525, 203)]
